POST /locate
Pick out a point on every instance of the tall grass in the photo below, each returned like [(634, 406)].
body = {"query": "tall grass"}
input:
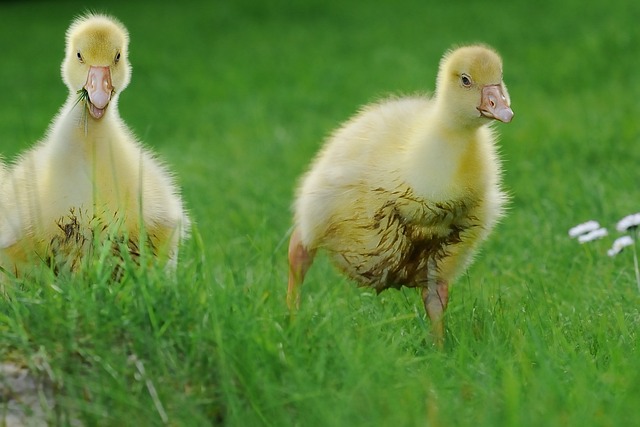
[(237, 97)]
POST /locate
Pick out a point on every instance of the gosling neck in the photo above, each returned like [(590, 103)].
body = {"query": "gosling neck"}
[(437, 155), (81, 124)]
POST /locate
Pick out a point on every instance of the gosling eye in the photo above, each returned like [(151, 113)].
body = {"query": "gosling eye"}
[(117, 58), (465, 80), (80, 58)]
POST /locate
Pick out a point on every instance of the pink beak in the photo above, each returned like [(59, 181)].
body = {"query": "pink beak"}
[(494, 104), (99, 89)]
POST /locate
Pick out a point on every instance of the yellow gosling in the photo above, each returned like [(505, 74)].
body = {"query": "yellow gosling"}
[(89, 175), (403, 193)]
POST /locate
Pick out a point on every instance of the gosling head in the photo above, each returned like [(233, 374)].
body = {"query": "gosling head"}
[(96, 64), (470, 86)]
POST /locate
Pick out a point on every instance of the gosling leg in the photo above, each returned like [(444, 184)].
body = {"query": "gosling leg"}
[(300, 259), (436, 297)]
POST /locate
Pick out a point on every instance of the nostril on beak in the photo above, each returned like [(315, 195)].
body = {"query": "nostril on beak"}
[(91, 84)]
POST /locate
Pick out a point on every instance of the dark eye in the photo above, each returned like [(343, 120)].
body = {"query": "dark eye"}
[(79, 55), (117, 58), (466, 80)]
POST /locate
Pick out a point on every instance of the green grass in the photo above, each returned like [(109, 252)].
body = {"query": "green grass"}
[(237, 97)]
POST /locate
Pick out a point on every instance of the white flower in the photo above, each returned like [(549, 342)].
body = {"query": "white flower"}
[(629, 221), (619, 244), (583, 228), (593, 235)]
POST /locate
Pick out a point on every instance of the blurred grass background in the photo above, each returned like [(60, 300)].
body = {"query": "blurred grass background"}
[(237, 97)]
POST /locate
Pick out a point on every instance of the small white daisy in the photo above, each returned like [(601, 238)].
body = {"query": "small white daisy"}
[(619, 244), (593, 235), (585, 227), (628, 222)]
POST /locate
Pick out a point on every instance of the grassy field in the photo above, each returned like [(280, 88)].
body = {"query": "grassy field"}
[(237, 96)]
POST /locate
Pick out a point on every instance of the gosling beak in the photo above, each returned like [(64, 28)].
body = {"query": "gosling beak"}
[(99, 89), (494, 104)]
